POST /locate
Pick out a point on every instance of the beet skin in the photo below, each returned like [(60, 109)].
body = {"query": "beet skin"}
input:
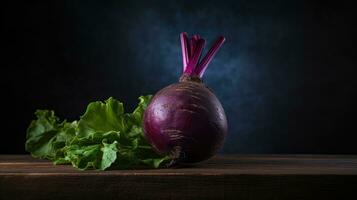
[(186, 121)]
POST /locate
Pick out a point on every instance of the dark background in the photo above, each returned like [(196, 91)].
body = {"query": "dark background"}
[(285, 76)]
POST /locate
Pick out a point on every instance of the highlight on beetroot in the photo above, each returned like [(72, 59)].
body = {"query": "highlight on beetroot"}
[(186, 120)]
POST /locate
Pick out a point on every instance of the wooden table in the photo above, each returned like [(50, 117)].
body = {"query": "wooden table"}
[(223, 177)]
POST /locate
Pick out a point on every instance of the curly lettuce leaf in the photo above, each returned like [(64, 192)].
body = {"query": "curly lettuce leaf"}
[(46, 136), (103, 117), (105, 136)]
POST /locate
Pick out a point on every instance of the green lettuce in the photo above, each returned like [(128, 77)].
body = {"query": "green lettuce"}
[(104, 137)]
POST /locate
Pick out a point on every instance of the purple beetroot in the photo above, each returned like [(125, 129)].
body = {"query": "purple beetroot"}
[(186, 120)]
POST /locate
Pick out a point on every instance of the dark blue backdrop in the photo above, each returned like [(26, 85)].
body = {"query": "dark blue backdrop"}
[(285, 76)]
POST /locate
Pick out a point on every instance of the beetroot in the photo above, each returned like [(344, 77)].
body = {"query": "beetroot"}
[(186, 120)]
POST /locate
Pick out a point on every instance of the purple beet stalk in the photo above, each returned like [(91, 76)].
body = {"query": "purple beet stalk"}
[(192, 49)]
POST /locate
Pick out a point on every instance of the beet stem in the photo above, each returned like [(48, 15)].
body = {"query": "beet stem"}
[(202, 66), (194, 41), (192, 45), (190, 69), (185, 54)]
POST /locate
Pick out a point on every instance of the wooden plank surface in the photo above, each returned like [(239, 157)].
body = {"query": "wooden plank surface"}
[(222, 177)]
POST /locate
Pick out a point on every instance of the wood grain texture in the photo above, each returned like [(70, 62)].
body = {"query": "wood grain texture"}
[(223, 177)]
